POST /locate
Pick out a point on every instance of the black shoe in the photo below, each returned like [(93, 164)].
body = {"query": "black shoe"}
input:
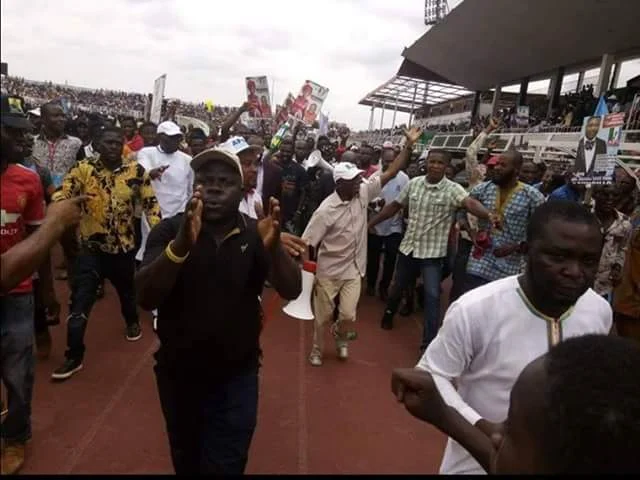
[(134, 332), (68, 368), (387, 321)]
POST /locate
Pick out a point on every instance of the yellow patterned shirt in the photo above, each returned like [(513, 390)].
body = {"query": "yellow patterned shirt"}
[(107, 222)]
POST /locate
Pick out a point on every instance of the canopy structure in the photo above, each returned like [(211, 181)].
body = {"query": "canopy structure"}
[(407, 94), (482, 44)]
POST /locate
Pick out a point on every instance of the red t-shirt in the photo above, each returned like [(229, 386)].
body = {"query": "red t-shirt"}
[(21, 204), (136, 143)]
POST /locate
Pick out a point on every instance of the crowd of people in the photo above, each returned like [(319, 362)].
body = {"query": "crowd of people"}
[(106, 102), (191, 227)]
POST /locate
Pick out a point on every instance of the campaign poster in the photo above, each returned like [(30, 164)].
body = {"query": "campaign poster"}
[(258, 97), (283, 113), (612, 125), (307, 105)]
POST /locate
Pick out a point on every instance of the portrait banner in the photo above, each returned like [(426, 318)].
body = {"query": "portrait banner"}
[(258, 97), (307, 105)]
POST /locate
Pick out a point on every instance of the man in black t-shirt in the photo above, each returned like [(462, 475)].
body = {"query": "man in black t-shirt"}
[(294, 182), (204, 271)]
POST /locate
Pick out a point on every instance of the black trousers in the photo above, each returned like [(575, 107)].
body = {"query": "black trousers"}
[(391, 243), (210, 424), (90, 269), (460, 268)]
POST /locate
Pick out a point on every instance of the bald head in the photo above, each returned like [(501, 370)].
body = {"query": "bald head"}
[(513, 156), (350, 157)]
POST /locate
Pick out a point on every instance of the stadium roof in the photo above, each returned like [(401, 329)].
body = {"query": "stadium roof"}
[(410, 94), (481, 44)]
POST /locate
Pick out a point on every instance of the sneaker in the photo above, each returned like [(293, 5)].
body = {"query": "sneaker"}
[(12, 458), (3, 409), (43, 344), (134, 332), (68, 368), (315, 359), (343, 352)]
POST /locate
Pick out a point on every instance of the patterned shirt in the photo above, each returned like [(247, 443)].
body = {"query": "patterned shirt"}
[(515, 213), (58, 157), (108, 220), (432, 209), (616, 242), (626, 298)]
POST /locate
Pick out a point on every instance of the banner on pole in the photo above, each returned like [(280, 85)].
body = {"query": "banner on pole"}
[(158, 96)]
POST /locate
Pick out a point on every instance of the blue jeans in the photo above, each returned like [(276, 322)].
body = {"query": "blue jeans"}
[(432, 271), (18, 364), (89, 269), (210, 424)]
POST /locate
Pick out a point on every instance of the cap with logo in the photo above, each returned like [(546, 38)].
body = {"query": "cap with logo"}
[(237, 145), (345, 171), (12, 112), (169, 129)]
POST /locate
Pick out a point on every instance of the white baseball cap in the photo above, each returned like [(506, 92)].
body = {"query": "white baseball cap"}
[(217, 154), (169, 128), (345, 171), (236, 145)]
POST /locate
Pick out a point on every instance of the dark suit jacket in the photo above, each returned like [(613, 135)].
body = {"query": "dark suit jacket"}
[(271, 182), (580, 165)]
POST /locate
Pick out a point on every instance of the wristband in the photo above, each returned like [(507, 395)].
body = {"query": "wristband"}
[(172, 256)]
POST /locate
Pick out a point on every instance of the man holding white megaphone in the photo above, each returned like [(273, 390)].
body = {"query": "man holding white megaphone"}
[(337, 232)]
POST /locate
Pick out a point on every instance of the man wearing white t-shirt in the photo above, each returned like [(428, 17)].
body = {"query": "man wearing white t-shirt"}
[(491, 333), (171, 177), (170, 172)]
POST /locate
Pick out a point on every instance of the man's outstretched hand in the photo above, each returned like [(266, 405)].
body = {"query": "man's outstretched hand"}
[(419, 394)]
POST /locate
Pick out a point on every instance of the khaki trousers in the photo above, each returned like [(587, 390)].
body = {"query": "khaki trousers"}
[(324, 295)]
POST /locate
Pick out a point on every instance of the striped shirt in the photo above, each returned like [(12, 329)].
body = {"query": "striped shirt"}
[(516, 211), (432, 209)]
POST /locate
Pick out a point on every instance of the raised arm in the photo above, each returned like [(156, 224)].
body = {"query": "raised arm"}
[(412, 136), (230, 121)]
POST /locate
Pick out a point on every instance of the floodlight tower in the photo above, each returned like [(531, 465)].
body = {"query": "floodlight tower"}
[(435, 11)]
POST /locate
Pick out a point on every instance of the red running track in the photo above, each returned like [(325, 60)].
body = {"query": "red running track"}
[(340, 418)]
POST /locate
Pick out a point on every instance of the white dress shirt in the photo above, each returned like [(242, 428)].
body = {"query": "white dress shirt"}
[(487, 338), (250, 203), (589, 155)]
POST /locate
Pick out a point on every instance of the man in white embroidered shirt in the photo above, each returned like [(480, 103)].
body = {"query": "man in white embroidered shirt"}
[(491, 333), (338, 233)]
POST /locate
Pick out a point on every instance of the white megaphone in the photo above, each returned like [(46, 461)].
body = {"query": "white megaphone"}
[(300, 308), (315, 159)]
